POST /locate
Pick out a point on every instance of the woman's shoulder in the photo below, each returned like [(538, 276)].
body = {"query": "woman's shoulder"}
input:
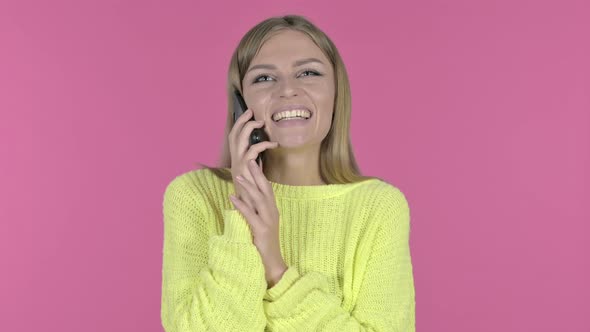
[(195, 183), (385, 196), (378, 187)]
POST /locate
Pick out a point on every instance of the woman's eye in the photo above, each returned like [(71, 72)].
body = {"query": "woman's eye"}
[(256, 79), (311, 71)]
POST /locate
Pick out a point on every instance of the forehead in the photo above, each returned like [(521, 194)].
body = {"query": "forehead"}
[(284, 47)]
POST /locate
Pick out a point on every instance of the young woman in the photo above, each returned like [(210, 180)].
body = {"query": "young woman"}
[(301, 242)]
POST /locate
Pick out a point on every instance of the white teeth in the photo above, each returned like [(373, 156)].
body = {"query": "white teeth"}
[(291, 114)]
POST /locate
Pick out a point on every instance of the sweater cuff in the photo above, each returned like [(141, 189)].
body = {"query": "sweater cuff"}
[(286, 281), (236, 228)]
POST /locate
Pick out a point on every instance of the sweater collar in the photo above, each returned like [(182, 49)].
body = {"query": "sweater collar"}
[(313, 191)]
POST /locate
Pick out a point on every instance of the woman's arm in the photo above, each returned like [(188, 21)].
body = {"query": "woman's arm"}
[(386, 300), (209, 282)]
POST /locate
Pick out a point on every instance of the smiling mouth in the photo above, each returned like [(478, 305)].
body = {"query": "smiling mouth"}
[(289, 119), (300, 116)]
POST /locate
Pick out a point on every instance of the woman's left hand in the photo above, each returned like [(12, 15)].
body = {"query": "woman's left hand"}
[(263, 218)]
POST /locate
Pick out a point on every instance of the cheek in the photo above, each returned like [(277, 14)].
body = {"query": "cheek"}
[(323, 96), (256, 101)]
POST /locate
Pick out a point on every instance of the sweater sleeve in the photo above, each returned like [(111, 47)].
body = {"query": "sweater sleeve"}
[(209, 282), (386, 300)]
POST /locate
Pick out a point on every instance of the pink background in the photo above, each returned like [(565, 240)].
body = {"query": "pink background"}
[(478, 110)]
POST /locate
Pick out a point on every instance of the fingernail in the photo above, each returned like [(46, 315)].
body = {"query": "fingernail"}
[(240, 178)]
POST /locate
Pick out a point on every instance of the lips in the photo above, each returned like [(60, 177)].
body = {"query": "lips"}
[(290, 108), (291, 123)]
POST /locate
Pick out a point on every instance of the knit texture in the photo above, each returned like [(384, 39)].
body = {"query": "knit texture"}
[(346, 247)]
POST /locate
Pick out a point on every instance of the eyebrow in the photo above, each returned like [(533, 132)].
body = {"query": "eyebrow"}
[(295, 64)]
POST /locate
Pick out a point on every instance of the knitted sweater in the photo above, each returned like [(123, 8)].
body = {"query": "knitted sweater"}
[(346, 247)]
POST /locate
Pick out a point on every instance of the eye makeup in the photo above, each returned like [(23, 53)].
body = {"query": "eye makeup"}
[(314, 72)]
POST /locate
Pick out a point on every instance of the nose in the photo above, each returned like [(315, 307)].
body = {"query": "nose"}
[(287, 88)]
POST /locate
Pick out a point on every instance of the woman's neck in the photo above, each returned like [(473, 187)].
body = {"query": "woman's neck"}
[(291, 167)]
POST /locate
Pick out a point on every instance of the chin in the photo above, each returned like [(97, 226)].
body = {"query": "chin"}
[(291, 143)]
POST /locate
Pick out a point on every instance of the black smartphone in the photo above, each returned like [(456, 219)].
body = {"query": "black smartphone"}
[(258, 134)]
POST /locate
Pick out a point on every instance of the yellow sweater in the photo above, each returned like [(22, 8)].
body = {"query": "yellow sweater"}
[(346, 246)]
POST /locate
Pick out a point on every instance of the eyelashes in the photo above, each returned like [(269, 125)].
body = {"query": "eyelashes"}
[(315, 73)]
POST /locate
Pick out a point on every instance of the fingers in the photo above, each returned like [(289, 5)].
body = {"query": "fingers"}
[(248, 213), (258, 191), (237, 127), (255, 175), (257, 148), (257, 181), (259, 199), (260, 180), (244, 135), (241, 152), (242, 192)]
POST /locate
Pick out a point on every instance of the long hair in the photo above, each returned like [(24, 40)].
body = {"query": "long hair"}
[(337, 162)]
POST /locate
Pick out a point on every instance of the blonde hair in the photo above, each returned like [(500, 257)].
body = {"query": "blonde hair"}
[(337, 162)]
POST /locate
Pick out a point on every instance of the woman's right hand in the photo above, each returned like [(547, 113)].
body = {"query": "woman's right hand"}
[(239, 139)]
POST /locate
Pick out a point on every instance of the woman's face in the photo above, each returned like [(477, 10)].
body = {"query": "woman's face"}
[(280, 76)]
